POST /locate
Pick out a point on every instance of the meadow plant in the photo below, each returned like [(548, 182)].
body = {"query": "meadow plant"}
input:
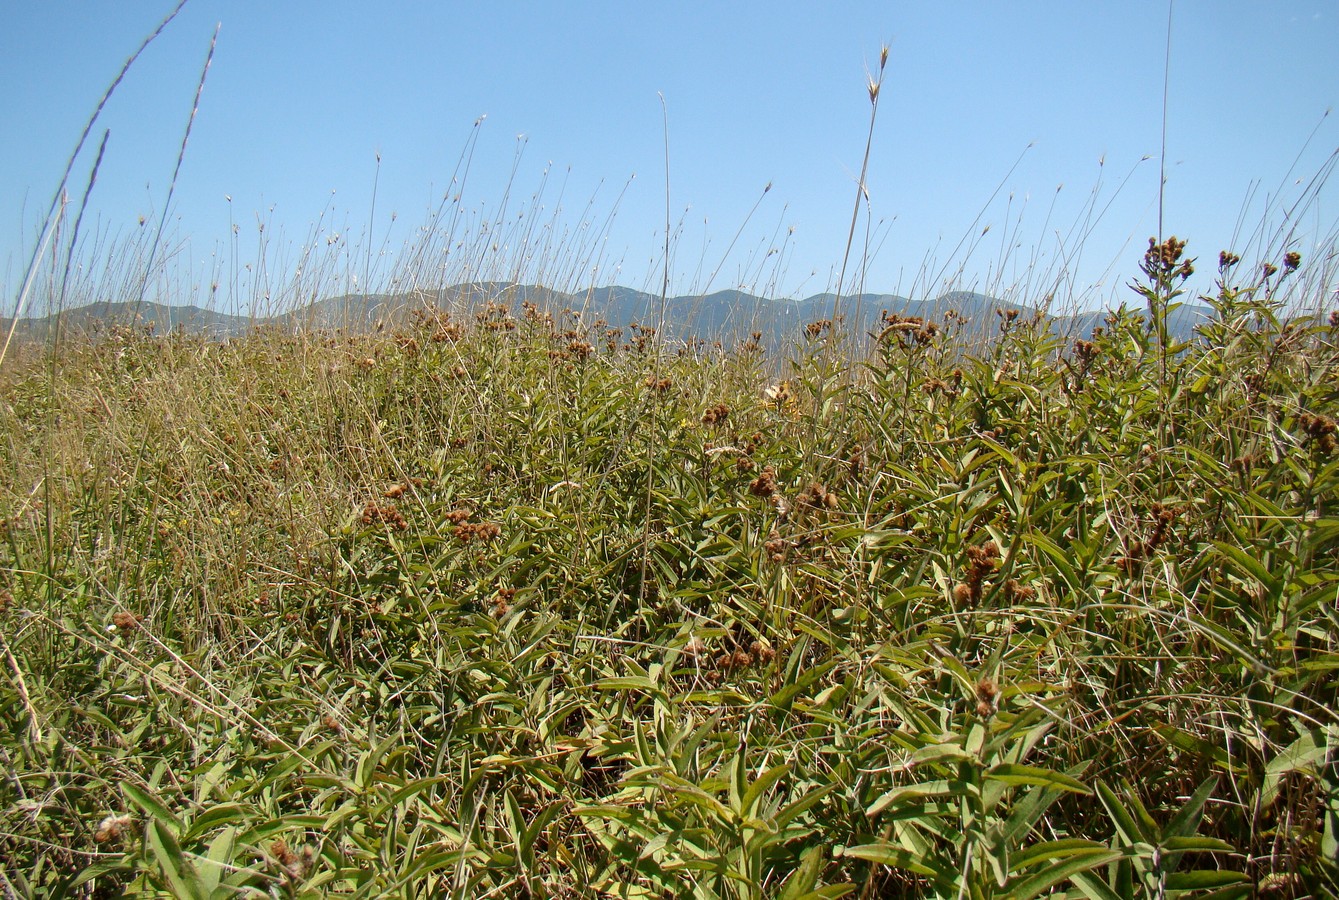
[(495, 599)]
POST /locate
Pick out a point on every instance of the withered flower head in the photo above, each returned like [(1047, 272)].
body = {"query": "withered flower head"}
[(1162, 260), (1320, 429), (478, 531), (818, 496), (987, 696), (779, 394), (716, 415), (386, 515), (111, 828), (981, 561), (294, 864), (582, 350), (765, 484), (126, 621)]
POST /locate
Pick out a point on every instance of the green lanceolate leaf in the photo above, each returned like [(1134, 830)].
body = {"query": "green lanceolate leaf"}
[(1070, 864), (886, 854), (1308, 752), (151, 805), (1016, 774), (179, 874), (754, 794)]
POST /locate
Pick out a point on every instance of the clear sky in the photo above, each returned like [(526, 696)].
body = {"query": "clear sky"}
[(1058, 105)]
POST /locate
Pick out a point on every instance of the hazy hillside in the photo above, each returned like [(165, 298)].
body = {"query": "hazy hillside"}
[(728, 316), (163, 318)]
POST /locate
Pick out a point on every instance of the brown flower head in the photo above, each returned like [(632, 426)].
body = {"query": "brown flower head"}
[(765, 484), (987, 697), (295, 864), (383, 515), (1320, 429), (716, 415), (478, 531), (126, 621), (981, 561), (817, 496), (111, 828)]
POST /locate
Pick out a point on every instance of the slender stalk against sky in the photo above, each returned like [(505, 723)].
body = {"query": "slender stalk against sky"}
[(310, 109)]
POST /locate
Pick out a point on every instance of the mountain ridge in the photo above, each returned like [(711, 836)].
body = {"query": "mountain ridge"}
[(728, 315)]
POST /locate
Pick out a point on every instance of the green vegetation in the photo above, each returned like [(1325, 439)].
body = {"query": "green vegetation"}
[(505, 604)]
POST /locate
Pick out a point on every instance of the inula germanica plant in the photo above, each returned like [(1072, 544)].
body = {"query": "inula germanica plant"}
[(498, 599), (317, 614)]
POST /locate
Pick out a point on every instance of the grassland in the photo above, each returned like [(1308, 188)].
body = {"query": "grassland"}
[(507, 604)]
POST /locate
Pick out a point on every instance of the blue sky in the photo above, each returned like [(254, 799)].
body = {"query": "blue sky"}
[(1028, 121)]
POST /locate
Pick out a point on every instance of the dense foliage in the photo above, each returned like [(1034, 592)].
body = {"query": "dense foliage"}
[(506, 604)]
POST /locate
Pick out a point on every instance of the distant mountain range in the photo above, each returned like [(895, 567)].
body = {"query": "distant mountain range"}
[(728, 316)]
